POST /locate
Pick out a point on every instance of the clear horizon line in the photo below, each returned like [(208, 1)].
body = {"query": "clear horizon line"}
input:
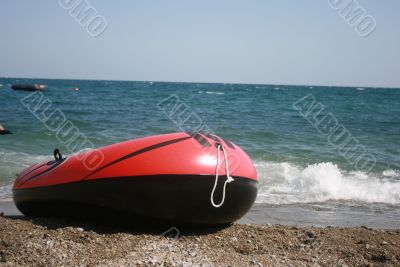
[(233, 83)]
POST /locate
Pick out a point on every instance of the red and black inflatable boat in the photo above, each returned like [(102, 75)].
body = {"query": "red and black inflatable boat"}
[(167, 178)]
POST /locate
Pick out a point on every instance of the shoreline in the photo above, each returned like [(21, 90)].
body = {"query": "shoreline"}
[(301, 215)]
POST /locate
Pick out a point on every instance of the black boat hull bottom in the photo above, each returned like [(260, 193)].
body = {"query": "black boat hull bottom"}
[(156, 199)]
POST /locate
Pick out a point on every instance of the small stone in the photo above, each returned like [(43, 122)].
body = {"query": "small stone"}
[(384, 243), (310, 234), (341, 263), (380, 258), (367, 246), (234, 239), (249, 241), (79, 229)]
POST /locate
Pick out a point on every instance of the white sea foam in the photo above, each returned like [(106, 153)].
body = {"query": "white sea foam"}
[(5, 193), (12, 163), (214, 93), (284, 183), (391, 173), (360, 89), (21, 159), (211, 92)]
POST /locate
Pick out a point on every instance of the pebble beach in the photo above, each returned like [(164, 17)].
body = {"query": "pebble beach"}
[(61, 242)]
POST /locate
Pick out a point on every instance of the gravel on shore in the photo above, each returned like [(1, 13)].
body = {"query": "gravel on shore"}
[(56, 242)]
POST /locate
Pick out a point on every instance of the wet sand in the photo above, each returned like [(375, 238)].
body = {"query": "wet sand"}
[(56, 242)]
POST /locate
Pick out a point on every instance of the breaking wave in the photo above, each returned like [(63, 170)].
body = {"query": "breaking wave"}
[(284, 183)]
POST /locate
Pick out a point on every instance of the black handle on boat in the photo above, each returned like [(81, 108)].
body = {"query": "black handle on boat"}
[(57, 154)]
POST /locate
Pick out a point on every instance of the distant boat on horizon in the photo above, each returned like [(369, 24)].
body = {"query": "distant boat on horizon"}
[(29, 87)]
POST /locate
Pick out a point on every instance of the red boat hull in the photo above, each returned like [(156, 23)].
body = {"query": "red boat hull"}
[(166, 178)]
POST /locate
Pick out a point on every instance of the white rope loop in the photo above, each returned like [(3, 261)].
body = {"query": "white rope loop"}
[(228, 180)]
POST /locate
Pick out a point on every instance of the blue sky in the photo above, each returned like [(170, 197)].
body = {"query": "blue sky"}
[(258, 41)]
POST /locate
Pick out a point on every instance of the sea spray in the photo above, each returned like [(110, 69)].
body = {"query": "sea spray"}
[(285, 183)]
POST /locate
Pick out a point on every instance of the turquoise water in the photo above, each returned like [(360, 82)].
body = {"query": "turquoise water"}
[(296, 163)]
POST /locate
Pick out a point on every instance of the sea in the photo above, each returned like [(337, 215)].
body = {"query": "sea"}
[(292, 134)]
